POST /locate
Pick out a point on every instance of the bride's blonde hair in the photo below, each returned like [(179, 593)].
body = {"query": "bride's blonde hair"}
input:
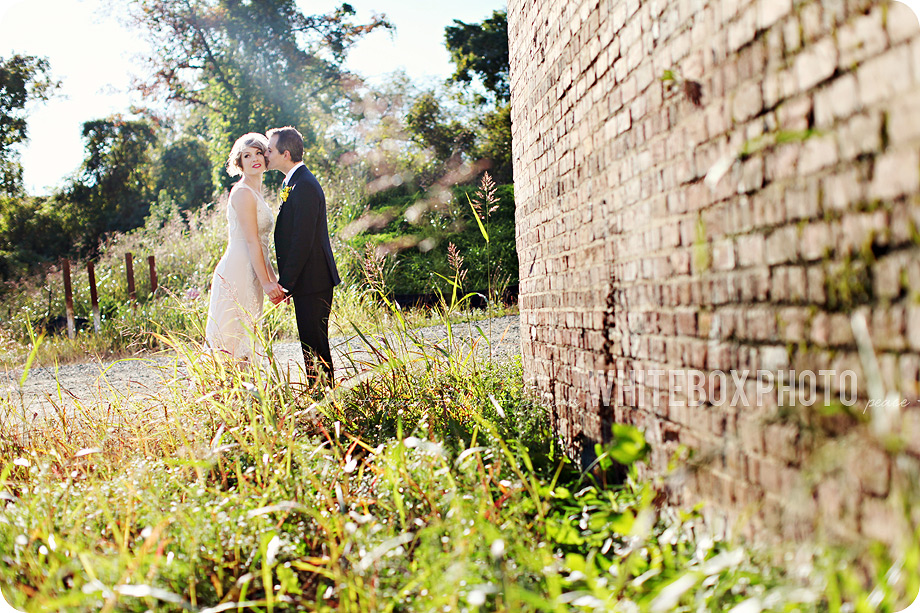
[(235, 159)]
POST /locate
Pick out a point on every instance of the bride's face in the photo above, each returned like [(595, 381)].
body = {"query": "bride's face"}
[(253, 161)]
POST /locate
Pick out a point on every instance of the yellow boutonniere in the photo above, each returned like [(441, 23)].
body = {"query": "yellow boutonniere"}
[(284, 192)]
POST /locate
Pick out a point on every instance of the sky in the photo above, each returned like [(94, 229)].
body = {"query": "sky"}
[(93, 54)]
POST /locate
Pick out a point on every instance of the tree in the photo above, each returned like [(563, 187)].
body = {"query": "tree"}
[(429, 127), (494, 143), (23, 79), (113, 189), (183, 174), (249, 66), (27, 226), (31, 232), (481, 50)]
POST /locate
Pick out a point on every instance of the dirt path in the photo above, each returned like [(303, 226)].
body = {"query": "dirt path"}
[(48, 390)]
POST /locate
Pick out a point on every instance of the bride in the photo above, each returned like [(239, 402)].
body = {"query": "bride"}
[(244, 272)]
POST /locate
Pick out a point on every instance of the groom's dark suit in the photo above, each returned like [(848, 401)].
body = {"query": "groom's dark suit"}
[(306, 268)]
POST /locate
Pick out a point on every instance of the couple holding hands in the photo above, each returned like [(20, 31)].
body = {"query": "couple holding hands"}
[(306, 268)]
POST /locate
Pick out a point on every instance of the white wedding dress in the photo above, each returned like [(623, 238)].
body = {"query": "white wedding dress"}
[(236, 294)]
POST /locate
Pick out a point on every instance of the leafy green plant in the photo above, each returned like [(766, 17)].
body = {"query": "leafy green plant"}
[(425, 482), (418, 248)]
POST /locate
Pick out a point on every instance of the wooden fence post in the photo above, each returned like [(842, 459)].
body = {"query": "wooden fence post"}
[(68, 300), (129, 270), (94, 297), (153, 274)]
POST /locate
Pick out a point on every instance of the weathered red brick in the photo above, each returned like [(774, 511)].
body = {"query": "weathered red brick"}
[(817, 153), (879, 520), (793, 115), (860, 134), (843, 190), (628, 258), (837, 100), (901, 22), (782, 245), (913, 327), (883, 76), (896, 173), (861, 38), (815, 64)]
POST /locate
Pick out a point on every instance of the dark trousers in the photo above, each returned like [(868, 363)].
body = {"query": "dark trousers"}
[(312, 312)]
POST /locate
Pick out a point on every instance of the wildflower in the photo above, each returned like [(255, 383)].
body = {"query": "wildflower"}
[(485, 196), (373, 266), (455, 260)]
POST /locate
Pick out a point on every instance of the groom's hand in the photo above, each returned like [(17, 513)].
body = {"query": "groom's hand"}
[(274, 291), (286, 295)]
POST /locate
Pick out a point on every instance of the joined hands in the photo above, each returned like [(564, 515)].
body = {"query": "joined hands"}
[(275, 292)]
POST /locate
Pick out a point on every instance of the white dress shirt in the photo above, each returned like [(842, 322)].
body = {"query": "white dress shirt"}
[(290, 173)]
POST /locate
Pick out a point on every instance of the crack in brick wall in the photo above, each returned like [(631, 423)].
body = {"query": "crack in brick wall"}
[(737, 233)]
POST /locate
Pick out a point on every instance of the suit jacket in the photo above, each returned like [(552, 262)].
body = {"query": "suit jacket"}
[(305, 262)]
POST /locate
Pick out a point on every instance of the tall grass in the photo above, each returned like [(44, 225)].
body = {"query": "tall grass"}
[(186, 250), (431, 486), (428, 480)]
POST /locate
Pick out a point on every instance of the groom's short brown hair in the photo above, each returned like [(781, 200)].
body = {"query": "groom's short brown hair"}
[(290, 140)]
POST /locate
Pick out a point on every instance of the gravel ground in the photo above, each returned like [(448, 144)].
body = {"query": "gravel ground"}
[(48, 390)]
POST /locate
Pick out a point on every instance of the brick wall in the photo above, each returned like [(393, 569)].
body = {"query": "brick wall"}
[(655, 233)]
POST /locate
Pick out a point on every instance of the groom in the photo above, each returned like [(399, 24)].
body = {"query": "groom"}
[(306, 268)]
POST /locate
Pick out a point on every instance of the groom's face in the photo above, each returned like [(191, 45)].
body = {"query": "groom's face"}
[(272, 157)]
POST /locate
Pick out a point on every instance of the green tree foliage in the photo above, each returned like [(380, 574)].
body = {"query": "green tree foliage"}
[(453, 135), (250, 66), (111, 192), (416, 232), (481, 50), (183, 174), (32, 232), (26, 224), (429, 127), (23, 79), (494, 143), (114, 188), (428, 146)]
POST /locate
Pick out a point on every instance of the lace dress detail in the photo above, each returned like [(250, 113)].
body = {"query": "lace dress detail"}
[(236, 295)]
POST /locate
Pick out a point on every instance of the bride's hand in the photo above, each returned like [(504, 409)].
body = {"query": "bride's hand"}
[(274, 291)]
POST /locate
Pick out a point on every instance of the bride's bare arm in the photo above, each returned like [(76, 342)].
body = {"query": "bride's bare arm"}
[(244, 203)]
